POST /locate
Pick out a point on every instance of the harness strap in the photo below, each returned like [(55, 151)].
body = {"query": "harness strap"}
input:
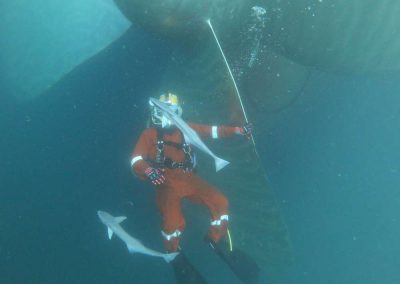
[(162, 161), (173, 144)]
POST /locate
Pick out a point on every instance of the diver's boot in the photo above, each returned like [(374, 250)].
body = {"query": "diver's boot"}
[(185, 272), (242, 265)]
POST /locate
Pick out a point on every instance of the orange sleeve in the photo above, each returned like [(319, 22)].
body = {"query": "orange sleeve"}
[(213, 131), (141, 153)]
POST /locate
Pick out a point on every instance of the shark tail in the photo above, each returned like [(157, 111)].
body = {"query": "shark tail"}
[(168, 257), (220, 163)]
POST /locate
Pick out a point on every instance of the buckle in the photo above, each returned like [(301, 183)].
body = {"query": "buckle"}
[(160, 145), (186, 148)]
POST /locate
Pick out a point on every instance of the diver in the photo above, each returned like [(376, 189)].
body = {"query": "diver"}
[(163, 157)]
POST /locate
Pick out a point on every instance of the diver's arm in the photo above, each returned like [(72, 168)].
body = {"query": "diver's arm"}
[(140, 153), (216, 132)]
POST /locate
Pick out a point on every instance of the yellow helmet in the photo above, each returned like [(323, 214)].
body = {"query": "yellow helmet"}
[(170, 99), (157, 116)]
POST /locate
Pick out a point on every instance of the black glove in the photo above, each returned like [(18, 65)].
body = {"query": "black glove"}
[(246, 130), (156, 176)]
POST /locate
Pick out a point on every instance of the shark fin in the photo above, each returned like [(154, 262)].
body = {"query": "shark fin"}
[(110, 233), (220, 163), (131, 249), (119, 219)]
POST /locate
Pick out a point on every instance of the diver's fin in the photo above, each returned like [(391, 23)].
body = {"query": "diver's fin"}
[(242, 265), (185, 272)]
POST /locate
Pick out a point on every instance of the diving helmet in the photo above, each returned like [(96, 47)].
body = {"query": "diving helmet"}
[(157, 116)]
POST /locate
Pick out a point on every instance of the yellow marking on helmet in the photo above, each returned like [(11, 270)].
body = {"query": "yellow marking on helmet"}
[(173, 99), (169, 99)]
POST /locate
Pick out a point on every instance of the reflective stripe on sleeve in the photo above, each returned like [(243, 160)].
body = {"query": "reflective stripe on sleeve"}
[(219, 221), (168, 237), (214, 132), (135, 159)]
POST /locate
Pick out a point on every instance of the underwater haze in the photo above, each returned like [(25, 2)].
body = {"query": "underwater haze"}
[(75, 79), (333, 160), (43, 40)]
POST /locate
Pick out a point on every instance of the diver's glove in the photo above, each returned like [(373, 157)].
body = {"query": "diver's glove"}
[(245, 130), (156, 176)]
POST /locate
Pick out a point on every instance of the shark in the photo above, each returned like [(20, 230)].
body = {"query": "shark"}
[(134, 246), (189, 134)]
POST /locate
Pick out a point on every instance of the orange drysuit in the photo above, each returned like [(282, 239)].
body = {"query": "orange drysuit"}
[(181, 184)]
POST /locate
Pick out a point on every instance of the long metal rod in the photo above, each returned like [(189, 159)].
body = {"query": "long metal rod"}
[(233, 80), (229, 69)]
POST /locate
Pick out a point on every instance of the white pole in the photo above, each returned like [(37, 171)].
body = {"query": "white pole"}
[(233, 80), (229, 69)]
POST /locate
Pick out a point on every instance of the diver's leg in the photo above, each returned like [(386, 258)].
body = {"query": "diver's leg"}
[(217, 205), (173, 222), (243, 266), (172, 227)]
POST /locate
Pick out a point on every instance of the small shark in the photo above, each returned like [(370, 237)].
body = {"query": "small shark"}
[(134, 245), (189, 134)]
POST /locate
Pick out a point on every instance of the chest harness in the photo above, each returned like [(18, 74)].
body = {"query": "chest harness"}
[(161, 161)]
